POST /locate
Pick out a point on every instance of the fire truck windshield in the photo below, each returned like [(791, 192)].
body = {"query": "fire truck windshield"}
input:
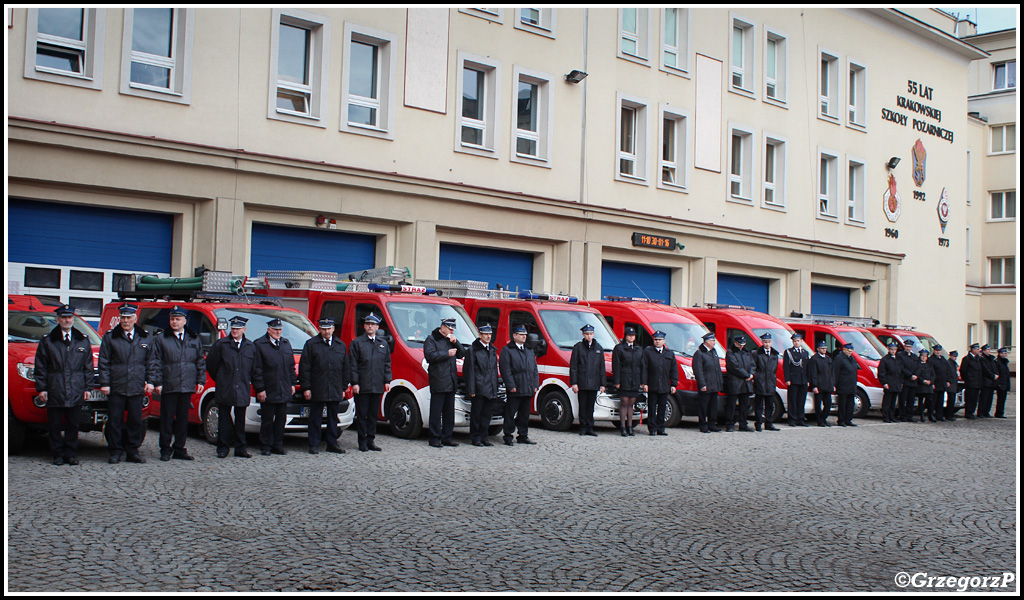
[(782, 339), (684, 338), (864, 344), (32, 326), (414, 321), (295, 326), (564, 327)]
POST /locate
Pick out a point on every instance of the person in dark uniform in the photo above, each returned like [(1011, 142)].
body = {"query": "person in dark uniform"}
[(127, 366), (707, 370), (766, 367), (181, 373), (323, 375), (890, 375), (910, 363), (659, 372), (63, 378), (970, 372), (234, 368), (845, 367), (518, 367), (822, 381), (627, 368), (794, 372), (951, 391), (739, 384), (370, 375), (587, 376), (481, 371), (441, 349), (942, 383), (277, 363), (989, 382), (925, 385), (1002, 381)]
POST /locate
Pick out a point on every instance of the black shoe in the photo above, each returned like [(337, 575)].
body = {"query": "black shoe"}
[(999, 417), (649, 432), (165, 458), (851, 424), (508, 442), (450, 443), (486, 443), (280, 451), (770, 427), (757, 426), (222, 455), (182, 455), (659, 433), (373, 447), (314, 451), (624, 433), (363, 448), (265, 452), (58, 460), (527, 441), (728, 428), (135, 458), (971, 417), (335, 450), (631, 434), (436, 445), (72, 461), (478, 444), (714, 430), (592, 434), (954, 418), (114, 460), (802, 424), (744, 428), (243, 454)]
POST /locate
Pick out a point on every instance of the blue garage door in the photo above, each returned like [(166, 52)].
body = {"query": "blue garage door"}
[(744, 291), (830, 300), (276, 248), (513, 270), (636, 281), (48, 233)]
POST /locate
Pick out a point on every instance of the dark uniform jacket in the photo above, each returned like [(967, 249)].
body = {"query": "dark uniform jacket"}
[(323, 369), (181, 364), (766, 367), (481, 370), (739, 366), (369, 364), (627, 368), (794, 365), (909, 362), (586, 366), (278, 368), (659, 370), (234, 369), (707, 369), (954, 373), (1003, 370), (820, 374), (64, 372), (925, 373), (126, 366), (988, 371), (890, 371), (845, 369), (942, 373), (519, 370), (441, 368), (970, 371)]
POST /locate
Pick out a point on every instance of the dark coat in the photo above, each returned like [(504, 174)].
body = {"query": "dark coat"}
[(323, 369), (369, 364), (587, 367), (1003, 370), (925, 378), (64, 372), (481, 370), (890, 371), (970, 371), (125, 367), (519, 370), (794, 365), (988, 371), (820, 374), (739, 366), (659, 371), (942, 373), (954, 371), (234, 369), (181, 364), (278, 367), (441, 368), (766, 367), (707, 369), (627, 368), (845, 368), (909, 362)]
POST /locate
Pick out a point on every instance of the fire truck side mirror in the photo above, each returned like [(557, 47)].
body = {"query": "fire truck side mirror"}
[(391, 343), (535, 343)]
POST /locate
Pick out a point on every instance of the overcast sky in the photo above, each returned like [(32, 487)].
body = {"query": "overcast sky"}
[(988, 18)]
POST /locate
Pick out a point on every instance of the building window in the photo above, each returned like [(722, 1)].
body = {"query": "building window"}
[(634, 42), (1005, 75), (476, 131), (1003, 206), (741, 163), (536, 20), (368, 82), (1000, 333), (675, 37), (967, 245), (857, 96), (632, 140), (828, 86), (855, 191), (776, 60), (65, 45), (156, 60), (774, 193), (1004, 139), (532, 127), (742, 59), (673, 157), (1001, 271), (299, 50), (828, 184), (495, 15)]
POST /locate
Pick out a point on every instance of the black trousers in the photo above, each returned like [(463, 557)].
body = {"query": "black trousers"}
[(124, 437), (736, 408), (587, 399), (442, 416), (517, 416), (707, 410), (316, 421), (822, 406), (935, 404), (63, 423), (796, 400), (764, 407), (273, 416), (951, 401), (657, 406), (174, 409), (367, 406), (844, 406), (971, 396), (230, 431), (889, 400), (480, 411), (985, 401), (907, 398), (1000, 402)]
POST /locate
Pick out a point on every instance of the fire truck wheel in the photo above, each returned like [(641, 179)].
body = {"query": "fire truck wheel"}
[(15, 432), (404, 417), (210, 414), (861, 405), (779, 412), (555, 411), (673, 414), (494, 429)]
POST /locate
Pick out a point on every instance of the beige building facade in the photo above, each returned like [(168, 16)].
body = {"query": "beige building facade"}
[(709, 155)]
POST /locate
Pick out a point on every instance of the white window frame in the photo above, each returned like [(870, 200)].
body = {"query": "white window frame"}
[(180, 61), (832, 185), (832, 97), (781, 80), (16, 272), (319, 27), (1004, 333), (680, 119), (545, 25), (90, 48), (387, 84), (995, 75), (778, 187), (967, 245), (642, 36), (681, 48), (856, 175), (1000, 132), (1001, 218), (1002, 270), (856, 109), (641, 135), (491, 111), (747, 69), (747, 160), (545, 118), (495, 15)]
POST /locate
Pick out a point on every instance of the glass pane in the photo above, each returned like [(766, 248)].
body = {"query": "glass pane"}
[(771, 59), (473, 94), (737, 155), (472, 135), (995, 272), (997, 139), (362, 115), (668, 174), (1010, 207), (997, 205), (527, 107), (1011, 74), (769, 163), (1011, 138), (737, 47), (87, 280), (1000, 82), (58, 58), (151, 31), (769, 195), (293, 54), (668, 146), (671, 59), (824, 78), (671, 26), (626, 139), (629, 46), (629, 20), (151, 75), (363, 81), (62, 22), (626, 166), (531, 16), (823, 178), (87, 307), (1008, 267), (294, 101), (526, 146), (44, 278)]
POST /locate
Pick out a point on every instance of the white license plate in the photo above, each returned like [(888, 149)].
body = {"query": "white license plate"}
[(97, 396), (304, 412)]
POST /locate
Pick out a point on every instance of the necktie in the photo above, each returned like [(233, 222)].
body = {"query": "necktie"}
[(181, 337), (67, 339)]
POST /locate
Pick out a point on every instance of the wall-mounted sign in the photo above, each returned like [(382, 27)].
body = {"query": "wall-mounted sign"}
[(943, 210), (891, 200), (926, 111), (648, 240), (919, 157)]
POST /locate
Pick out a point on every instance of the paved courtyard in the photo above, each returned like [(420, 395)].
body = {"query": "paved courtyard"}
[(804, 509)]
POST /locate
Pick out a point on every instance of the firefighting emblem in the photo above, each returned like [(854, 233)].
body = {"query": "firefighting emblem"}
[(891, 201), (943, 210), (919, 157)]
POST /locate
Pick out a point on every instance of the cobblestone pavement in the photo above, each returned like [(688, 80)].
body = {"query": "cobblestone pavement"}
[(803, 509)]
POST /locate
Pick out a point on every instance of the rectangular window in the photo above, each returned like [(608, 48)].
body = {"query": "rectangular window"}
[(299, 47), (87, 280), (40, 277), (776, 59), (828, 86), (634, 42), (673, 149), (774, 172), (1004, 139), (632, 140), (473, 125), (368, 82), (536, 20), (627, 141), (742, 59), (1000, 333), (65, 45), (87, 307), (855, 192), (856, 96), (1003, 206), (363, 89), (1005, 75), (675, 35), (1001, 271), (476, 131), (828, 184), (741, 164), (156, 58), (532, 129)]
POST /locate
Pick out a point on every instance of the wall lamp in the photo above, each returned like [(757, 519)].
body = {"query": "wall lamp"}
[(575, 76), (893, 162)]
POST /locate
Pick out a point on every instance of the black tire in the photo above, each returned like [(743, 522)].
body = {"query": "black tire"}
[(556, 411), (404, 417), (779, 412), (673, 412), (861, 405), (494, 429), (16, 432), (210, 413)]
